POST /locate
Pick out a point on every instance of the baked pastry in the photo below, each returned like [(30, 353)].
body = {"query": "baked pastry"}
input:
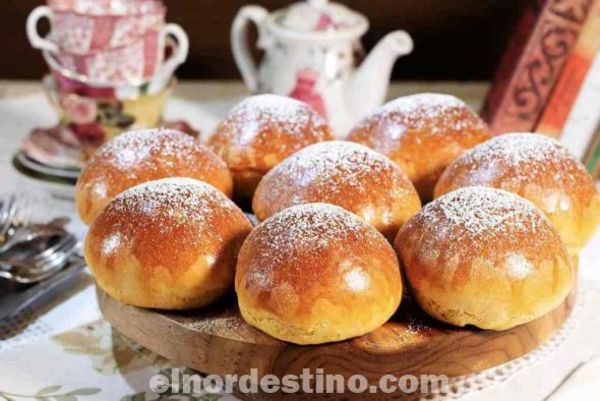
[(260, 132), (316, 273), (346, 174), (139, 156), (485, 257), (422, 133), (539, 169), (167, 244)]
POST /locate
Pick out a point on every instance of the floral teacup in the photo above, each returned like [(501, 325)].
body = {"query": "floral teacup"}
[(94, 121), (81, 27)]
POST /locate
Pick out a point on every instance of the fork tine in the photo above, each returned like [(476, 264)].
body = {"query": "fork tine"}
[(65, 238), (67, 250), (55, 262), (26, 272), (68, 242)]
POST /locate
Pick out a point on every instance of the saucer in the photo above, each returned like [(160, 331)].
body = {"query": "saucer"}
[(46, 179)]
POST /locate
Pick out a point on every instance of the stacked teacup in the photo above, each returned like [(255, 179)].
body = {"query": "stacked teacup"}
[(112, 63)]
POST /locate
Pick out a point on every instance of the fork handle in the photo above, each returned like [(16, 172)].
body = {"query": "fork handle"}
[(14, 303)]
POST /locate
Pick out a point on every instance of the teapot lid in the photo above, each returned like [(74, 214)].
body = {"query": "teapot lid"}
[(321, 16)]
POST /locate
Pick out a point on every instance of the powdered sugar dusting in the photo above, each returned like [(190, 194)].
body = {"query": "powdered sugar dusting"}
[(336, 165), (255, 112), (481, 211), (183, 200), (310, 225), (134, 148), (516, 150), (302, 230), (423, 102), (417, 111)]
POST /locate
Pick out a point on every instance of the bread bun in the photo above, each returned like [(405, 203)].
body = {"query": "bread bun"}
[(139, 156), (540, 170), (260, 132), (316, 273), (422, 133), (346, 174), (167, 244), (484, 257)]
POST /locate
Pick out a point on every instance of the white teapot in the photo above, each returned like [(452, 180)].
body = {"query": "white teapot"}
[(312, 53)]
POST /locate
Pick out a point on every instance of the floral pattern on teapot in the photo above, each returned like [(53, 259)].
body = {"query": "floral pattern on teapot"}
[(313, 53)]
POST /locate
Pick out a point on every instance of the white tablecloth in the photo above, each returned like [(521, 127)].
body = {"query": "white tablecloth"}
[(28, 338)]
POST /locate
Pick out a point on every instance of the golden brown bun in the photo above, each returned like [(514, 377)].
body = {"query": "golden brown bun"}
[(260, 132), (316, 273), (422, 134), (140, 156), (167, 244), (540, 170), (484, 257), (345, 174)]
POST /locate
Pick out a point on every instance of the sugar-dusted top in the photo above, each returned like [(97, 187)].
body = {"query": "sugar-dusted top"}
[(519, 150), (311, 226), (482, 212), (171, 218), (165, 230), (255, 113), (335, 163), (430, 103), (263, 130), (182, 199), (346, 174), (435, 113), (307, 245), (137, 147), (498, 231)]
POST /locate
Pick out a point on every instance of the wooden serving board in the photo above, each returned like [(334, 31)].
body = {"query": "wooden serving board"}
[(217, 340)]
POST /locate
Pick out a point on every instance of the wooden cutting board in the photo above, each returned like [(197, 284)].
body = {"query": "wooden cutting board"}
[(217, 340)]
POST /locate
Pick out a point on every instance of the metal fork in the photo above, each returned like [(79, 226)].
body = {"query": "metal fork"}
[(31, 233), (41, 266)]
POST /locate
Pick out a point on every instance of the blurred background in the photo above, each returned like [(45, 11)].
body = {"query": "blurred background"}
[(446, 47)]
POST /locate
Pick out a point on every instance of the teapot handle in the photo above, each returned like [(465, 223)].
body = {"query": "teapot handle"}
[(239, 42)]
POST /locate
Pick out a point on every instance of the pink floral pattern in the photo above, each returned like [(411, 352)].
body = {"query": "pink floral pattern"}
[(78, 33), (305, 91), (119, 66), (73, 32), (80, 110)]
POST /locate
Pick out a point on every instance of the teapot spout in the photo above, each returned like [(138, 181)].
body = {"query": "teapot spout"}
[(368, 86)]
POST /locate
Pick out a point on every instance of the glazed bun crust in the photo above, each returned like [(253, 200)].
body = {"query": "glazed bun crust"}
[(316, 273), (423, 134), (345, 174), (140, 156), (540, 170), (484, 257), (167, 244), (260, 132)]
